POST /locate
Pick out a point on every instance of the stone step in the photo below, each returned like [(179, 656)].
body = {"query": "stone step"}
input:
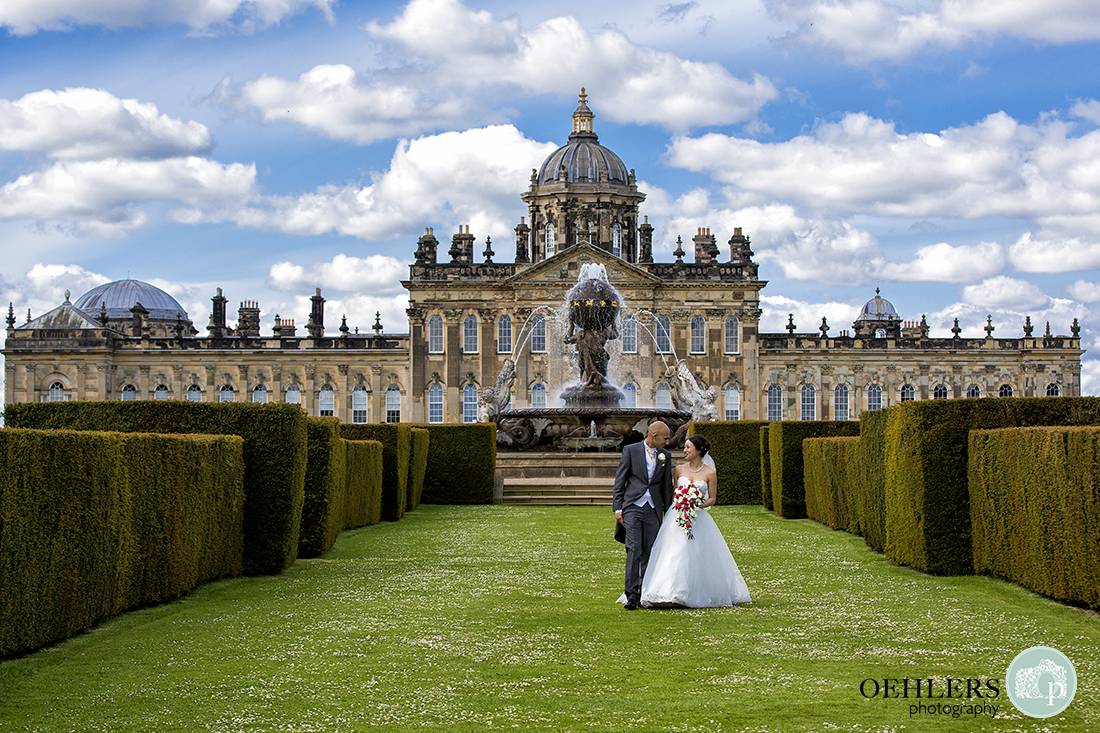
[(558, 491), (525, 465)]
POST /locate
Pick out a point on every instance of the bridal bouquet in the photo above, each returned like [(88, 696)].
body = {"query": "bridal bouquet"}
[(687, 499)]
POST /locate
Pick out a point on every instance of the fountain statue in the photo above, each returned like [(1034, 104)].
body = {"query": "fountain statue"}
[(592, 418), (688, 395), (494, 399)]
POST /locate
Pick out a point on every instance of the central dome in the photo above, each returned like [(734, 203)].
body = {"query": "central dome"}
[(583, 159)]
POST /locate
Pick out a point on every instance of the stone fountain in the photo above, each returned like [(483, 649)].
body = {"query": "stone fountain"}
[(592, 418)]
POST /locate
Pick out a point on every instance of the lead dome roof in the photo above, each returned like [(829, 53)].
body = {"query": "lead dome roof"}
[(121, 295), (583, 158), (878, 309)]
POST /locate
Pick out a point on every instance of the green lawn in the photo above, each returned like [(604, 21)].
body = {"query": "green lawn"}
[(478, 618)]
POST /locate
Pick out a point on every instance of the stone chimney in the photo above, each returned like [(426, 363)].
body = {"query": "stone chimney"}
[(645, 241), (740, 249), (217, 328), (283, 329), (462, 246), (705, 248), (426, 248), (140, 314), (522, 235), (248, 319), (316, 324)]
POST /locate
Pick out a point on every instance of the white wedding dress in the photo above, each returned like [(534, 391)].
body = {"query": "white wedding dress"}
[(697, 573)]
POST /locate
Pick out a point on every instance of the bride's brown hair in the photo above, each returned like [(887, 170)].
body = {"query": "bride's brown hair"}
[(701, 444)]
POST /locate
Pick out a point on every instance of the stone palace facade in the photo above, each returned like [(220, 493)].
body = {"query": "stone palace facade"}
[(468, 315)]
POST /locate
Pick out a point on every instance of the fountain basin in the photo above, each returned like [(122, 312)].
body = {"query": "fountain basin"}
[(570, 428)]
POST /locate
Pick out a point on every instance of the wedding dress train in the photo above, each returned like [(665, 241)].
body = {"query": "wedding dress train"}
[(697, 573)]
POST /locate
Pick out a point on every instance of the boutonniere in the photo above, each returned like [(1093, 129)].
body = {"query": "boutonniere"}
[(660, 458)]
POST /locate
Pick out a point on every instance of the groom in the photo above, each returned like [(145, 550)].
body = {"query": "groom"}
[(642, 494)]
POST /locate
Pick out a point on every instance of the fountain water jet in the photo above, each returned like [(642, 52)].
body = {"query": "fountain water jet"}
[(592, 417)]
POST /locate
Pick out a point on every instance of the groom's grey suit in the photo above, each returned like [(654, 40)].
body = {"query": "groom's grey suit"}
[(641, 522)]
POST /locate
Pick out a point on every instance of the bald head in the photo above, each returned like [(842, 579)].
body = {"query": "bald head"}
[(657, 435)]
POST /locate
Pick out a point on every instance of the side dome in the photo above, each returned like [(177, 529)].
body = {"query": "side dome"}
[(121, 295), (878, 309), (583, 160)]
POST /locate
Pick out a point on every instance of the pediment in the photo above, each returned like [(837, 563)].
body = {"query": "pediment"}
[(65, 316), (565, 267)]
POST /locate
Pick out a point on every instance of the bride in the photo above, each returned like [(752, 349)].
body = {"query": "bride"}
[(699, 572)]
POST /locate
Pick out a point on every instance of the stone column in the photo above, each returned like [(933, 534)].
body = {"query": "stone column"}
[(211, 394), (101, 380), (309, 394), (81, 381), (30, 383), (343, 406), (379, 401)]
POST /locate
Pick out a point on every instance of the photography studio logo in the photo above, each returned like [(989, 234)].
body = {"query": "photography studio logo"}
[(1041, 682)]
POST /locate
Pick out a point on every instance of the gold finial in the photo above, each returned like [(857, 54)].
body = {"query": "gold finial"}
[(582, 116), (583, 96)]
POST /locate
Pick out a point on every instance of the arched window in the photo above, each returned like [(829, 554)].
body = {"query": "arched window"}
[(973, 391), (664, 397), (326, 401), (469, 403), (293, 395), (435, 403), (194, 393), (629, 335), (538, 335), (550, 240), (840, 402), (809, 403), (630, 395), (698, 335), (160, 392), (733, 335), (129, 393), (359, 404), (775, 402), (617, 240), (1005, 391), (393, 403), (939, 392), (733, 403), (880, 333), (469, 335), (663, 334), (259, 394), (57, 392), (1052, 390), (504, 335), (538, 395), (435, 335), (874, 397), (908, 394), (225, 394)]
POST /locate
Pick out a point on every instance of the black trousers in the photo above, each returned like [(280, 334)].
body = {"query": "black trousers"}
[(642, 524)]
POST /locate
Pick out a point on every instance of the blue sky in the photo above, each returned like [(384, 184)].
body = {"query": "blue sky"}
[(945, 152)]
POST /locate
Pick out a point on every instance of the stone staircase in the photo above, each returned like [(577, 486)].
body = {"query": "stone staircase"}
[(556, 479)]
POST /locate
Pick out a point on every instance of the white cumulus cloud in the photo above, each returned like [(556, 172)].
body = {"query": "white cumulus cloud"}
[(1005, 294), (376, 274), (469, 177), (943, 262), (81, 123), (24, 17), (866, 31), (447, 52)]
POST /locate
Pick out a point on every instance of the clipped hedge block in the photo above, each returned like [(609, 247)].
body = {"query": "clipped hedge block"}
[(735, 447), (462, 462), (363, 496), (324, 502), (418, 464), (93, 524), (1035, 513), (274, 455), (870, 490), (927, 498), (831, 469), (766, 469), (785, 448), (394, 438)]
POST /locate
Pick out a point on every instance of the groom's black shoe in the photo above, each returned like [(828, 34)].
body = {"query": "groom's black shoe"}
[(630, 606)]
